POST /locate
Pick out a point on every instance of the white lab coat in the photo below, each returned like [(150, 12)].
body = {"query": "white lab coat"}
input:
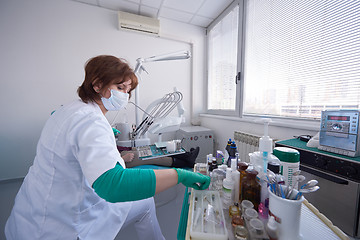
[(56, 200)]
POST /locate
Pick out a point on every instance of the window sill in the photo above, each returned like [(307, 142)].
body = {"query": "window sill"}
[(312, 125)]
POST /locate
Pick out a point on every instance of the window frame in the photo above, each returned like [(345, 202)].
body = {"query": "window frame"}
[(238, 115), (239, 87)]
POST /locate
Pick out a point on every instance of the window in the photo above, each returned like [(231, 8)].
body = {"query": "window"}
[(300, 57), (223, 64)]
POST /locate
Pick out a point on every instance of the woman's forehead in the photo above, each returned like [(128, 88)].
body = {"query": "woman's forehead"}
[(126, 82)]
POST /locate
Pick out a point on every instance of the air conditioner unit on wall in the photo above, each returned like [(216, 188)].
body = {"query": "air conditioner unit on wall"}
[(133, 22)]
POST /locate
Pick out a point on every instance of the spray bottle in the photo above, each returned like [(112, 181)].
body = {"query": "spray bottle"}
[(265, 148)]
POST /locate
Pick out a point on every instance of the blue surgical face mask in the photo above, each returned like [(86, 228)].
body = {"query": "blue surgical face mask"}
[(116, 101)]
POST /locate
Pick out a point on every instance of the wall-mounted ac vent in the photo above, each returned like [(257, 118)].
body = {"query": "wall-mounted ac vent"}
[(133, 22)]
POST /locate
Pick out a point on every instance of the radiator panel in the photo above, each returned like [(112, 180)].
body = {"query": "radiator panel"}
[(246, 143)]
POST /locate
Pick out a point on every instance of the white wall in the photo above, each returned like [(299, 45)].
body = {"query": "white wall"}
[(44, 45)]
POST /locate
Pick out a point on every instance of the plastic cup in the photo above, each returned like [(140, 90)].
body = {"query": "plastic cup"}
[(170, 146), (250, 213), (245, 204), (257, 226), (287, 214)]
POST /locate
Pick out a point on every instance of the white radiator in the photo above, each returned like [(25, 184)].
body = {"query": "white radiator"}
[(246, 143)]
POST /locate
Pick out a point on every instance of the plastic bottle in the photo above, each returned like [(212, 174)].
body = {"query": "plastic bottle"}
[(250, 188), (233, 150), (219, 157), (272, 229), (274, 167), (228, 186), (290, 162), (265, 148), (265, 143), (237, 159), (209, 161), (227, 150), (236, 177), (214, 164)]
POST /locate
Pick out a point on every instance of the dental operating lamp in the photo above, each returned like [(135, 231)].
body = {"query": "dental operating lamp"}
[(139, 68)]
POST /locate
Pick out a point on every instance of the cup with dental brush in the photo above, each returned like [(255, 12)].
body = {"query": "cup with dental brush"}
[(285, 204)]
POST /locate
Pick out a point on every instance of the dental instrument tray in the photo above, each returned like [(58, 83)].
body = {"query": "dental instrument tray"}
[(207, 218), (151, 151)]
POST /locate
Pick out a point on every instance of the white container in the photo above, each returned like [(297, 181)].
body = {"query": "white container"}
[(289, 163), (171, 146), (287, 214), (236, 178), (228, 188), (207, 217), (272, 229)]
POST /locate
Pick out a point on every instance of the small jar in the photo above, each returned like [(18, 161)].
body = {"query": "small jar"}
[(201, 168), (236, 220), (240, 233), (234, 210), (214, 164)]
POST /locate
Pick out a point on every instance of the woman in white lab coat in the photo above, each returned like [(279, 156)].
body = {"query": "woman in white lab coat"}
[(78, 186)]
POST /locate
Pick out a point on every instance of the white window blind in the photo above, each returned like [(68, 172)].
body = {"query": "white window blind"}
[(301, 57), (222, 62)]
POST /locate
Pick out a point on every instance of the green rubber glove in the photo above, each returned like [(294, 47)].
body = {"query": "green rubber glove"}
[(197, 181), (116, 132)]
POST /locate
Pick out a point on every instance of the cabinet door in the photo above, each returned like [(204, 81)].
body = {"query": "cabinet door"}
[(337, 199)]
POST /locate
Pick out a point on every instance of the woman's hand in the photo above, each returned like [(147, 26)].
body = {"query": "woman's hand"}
[(193, 179)]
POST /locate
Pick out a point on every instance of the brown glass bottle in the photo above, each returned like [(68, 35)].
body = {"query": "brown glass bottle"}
[(242, 166), (250, 188)]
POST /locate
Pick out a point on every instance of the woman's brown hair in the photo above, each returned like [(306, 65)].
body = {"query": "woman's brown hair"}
[(104, 70)]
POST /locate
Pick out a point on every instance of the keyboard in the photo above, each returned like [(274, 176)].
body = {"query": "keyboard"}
[(144, 151)]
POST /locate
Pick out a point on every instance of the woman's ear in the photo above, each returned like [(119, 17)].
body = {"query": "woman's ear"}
[(97, 86)]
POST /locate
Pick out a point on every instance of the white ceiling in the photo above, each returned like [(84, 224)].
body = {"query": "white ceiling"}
[(195, 12)]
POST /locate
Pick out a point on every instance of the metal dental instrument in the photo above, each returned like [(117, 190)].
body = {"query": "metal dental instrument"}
[(159, 109), (290, 188), (310, 183), (298, 178), (306, 190), (271, 177)]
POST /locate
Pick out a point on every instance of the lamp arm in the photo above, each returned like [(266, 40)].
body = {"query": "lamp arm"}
[(170, 56)]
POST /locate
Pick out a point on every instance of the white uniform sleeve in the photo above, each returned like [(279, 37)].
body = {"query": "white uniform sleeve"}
[(94, 145)]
